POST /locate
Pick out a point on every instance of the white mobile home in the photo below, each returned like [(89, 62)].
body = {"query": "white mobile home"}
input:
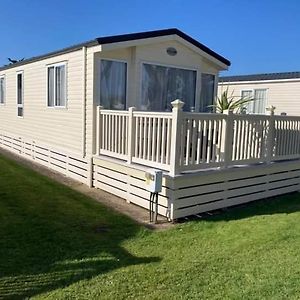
[(281, 90), (103, 112)]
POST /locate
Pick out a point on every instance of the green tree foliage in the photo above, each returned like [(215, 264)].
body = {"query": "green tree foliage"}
[(230, 102)]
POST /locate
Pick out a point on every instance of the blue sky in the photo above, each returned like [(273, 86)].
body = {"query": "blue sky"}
[(256, 36)]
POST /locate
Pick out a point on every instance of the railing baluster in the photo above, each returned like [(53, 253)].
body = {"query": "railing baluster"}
[(164, 141), (158, 139), (169, 135), (208, 142), (194, 142), (199, 139), (188, 141), (149, 136)]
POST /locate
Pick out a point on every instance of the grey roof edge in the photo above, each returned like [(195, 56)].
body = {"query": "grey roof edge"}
[(121, 38), (258, 77), (50, 54)]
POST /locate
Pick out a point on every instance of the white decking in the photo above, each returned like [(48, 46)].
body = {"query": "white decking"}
[(210, 161)]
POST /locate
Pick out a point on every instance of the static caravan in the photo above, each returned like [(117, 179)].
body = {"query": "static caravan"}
[(105, 111), (281, 90)]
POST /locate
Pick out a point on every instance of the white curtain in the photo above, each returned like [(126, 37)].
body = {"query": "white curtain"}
[(1, 90), (113, 84), (60, 86), (207, 92), (20, 88), (248, 106), (259, 105), (162, 85), (51, 86)]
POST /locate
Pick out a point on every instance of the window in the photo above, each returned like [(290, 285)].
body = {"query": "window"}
[(113, 81), (258, 105), (20, 94), (207, 92), (162, 85), (57, 90), (2, 90)]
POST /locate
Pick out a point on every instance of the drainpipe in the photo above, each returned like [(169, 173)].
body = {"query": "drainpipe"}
[(83, 101)]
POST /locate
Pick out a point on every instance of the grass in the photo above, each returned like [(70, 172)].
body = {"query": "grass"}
[(56, 243)]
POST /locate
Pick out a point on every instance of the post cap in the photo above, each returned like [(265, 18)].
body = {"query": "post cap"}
[(177, 104), (271, 109)]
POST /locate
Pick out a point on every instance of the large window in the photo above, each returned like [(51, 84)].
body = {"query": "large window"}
[(258, 105), (20, 94), (57, 89), (162, 85), (113, 81), (2, 90), (207, 92)]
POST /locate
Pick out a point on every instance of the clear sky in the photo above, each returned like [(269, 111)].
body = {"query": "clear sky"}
[(257, 36)]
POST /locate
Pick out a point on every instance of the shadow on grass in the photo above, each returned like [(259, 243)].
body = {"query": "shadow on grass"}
[(52, 236)]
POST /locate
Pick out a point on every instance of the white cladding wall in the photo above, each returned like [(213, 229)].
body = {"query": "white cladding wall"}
[(284, 95), (60, 127), (154, 52), (65, 127)]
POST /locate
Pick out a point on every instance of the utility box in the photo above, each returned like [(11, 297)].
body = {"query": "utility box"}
[(153, 180)]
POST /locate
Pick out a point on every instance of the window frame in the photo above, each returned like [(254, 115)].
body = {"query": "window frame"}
[(253, 95), (197, 84), (22, 93), (4, 90), (99, 79), (55, 65), (216, 80)]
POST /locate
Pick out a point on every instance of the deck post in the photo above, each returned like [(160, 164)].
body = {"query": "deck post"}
[(227, 138), (131, 134), (176, 137), (271, 136), (98, 133)]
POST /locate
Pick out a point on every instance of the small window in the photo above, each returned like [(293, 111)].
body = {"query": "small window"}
[(247, 107), (207, 92), (2, 90), (20, 95), (258, 105), (113, 81), (57, 86)]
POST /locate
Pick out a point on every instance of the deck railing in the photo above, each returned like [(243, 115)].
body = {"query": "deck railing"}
[(181, 141)]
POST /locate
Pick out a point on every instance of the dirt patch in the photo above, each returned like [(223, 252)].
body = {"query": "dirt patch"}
[(134, 212)]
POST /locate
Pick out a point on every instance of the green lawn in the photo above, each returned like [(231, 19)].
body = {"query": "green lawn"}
[(57, 243)]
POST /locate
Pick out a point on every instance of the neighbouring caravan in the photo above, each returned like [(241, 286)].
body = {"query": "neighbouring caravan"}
[(281, 90)]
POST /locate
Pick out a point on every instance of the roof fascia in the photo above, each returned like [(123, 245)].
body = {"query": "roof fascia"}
[(257, 81)]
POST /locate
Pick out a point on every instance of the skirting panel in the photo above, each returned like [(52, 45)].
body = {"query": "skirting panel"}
[(71, 165), (216, 189), (190, 194), (127, 182)]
